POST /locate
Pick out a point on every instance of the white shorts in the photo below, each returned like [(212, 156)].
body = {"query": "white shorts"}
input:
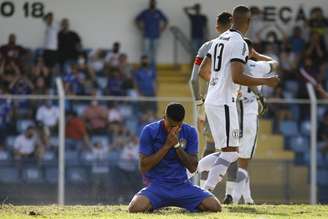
[(248, 127), (224, 125)]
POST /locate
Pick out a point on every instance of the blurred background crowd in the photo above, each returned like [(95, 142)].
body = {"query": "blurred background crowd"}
[(101, 136)]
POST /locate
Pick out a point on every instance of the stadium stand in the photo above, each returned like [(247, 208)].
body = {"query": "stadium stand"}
[(284, 132)]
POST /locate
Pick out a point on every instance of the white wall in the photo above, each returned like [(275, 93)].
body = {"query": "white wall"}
[(101, 22)]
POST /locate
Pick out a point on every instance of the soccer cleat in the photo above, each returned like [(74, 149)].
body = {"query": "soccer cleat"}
[(228, 200)]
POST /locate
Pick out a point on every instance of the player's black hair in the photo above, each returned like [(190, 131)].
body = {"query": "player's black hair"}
[(240, 10), (249, 43), (240, 14), (224, 18), (175, 112)]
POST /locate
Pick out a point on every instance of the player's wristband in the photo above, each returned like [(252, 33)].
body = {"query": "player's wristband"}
[(177, 146), (199, 102)]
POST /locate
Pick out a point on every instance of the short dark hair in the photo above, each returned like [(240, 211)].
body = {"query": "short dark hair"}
[(175, 112), (249, 43), (240, 13), (224, 18), (240, 10)]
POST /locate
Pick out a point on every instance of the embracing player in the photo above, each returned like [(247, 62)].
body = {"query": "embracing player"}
[(251, 104), (225, 66)]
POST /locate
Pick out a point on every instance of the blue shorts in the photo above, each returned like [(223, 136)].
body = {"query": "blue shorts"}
[(185, 195)]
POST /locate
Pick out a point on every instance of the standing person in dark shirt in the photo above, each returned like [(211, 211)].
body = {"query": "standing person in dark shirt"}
[(145, 78), (199, 27), (152, 22), (317, 22), (69, 44), (11, 52)]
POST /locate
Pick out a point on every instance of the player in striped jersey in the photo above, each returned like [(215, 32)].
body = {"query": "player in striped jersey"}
[(225, 65), (251, 103), (199, 85)]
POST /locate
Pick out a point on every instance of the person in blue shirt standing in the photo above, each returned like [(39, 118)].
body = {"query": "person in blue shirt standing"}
[(145, 80), (152, 22), (199, 27), (167, 149)]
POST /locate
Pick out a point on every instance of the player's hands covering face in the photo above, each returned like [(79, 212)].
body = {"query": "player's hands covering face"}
[(172, 137)]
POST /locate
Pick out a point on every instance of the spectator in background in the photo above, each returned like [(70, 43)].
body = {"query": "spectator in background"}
[(89, 76), (21, 85), (4, 154), (97, 61), (128, 166), (126, 70), (288, 63), (112, 57), (316, 48), (310, 67), (50, 52), (7, 126), (41, 87), (95, 117), (75, 80), (145, 77), (114, 115), (69, 44), (129, 156), (40, 70), (99, 154), (114, 84), (152, 22), (297, 41), (124, 66), (199, 26), (47, 117), (9, 72), (317, 22), (145, 80), (323, 134), (27, 145), (76, 132), (11, 52)]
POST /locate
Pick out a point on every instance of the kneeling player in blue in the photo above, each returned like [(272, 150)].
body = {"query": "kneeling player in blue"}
[(167, 148)]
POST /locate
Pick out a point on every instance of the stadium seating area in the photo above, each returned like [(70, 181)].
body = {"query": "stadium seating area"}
[(107, 143)]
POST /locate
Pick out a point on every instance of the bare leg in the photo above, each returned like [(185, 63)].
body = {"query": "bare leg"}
[(210, 204), (139, 203)]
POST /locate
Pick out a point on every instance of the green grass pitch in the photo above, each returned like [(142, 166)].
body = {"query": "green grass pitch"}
[(120, 212)]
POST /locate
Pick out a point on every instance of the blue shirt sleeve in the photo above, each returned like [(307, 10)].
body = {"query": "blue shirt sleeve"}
[(145, 145), (192, 142), (162, 16), (141, 16)]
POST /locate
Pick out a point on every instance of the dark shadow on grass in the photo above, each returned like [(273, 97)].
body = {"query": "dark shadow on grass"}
[(176, 210), (251, 210)]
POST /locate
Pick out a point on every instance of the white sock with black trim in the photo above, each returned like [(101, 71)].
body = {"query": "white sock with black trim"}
[(219, 169)]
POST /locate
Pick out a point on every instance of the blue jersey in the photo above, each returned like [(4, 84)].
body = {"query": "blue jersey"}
[(169, 169), (151, 20)]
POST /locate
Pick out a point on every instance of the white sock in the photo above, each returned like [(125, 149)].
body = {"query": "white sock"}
[(206, 163), (246, 193), (230, 187), (219, 169), (240, 185)]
